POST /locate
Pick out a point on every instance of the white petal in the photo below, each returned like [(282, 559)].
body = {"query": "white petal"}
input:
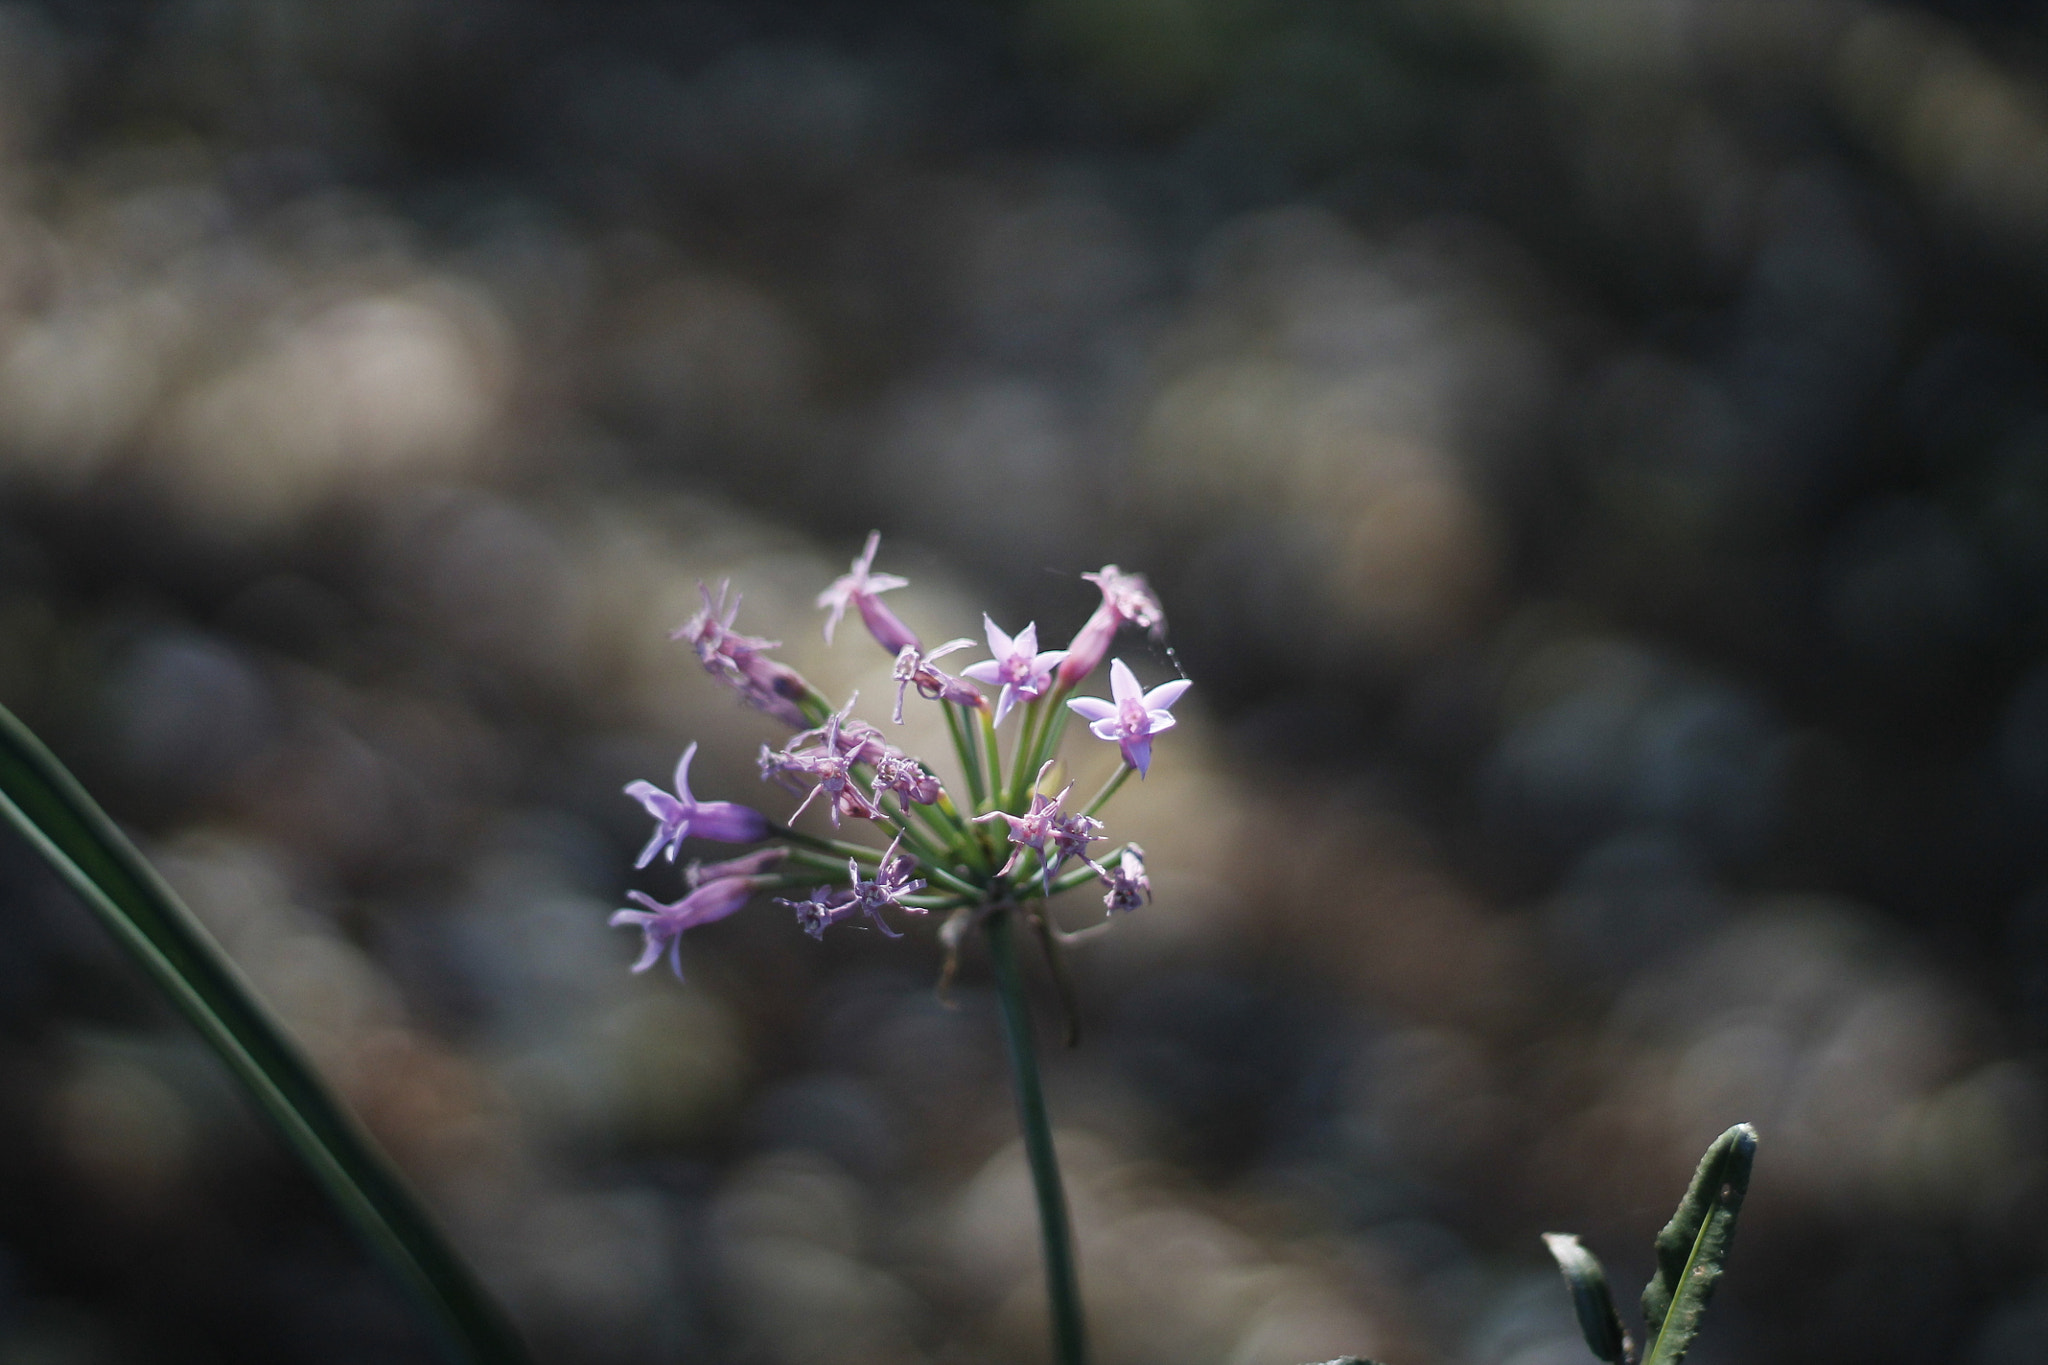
[(1155, 721), (1027, 640), (1105, 729), (987, 671), (1166, 694), (1092, 708)]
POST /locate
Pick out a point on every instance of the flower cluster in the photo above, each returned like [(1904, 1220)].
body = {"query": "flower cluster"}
[(986, 841)]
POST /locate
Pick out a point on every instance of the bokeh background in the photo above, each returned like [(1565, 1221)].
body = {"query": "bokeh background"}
[(1594, 454)]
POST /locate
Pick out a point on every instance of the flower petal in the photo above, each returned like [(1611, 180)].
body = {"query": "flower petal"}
[(1156, 721), (1166, 694), (1026, 641), (987, 671), (683, 774), (1092, 708), (998, 643), (1123, 684), (1106, 729), (1138, 752)]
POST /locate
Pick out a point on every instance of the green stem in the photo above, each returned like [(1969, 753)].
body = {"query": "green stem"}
[(995, 756), (1062, 1284), (963, 744), (1109, 789)]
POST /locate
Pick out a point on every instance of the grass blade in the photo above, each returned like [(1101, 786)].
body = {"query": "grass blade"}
[(1590, 1296), (54, 813), (1692, 1249)]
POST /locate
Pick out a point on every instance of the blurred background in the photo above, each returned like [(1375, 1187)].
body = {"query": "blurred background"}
[(1593, 453)]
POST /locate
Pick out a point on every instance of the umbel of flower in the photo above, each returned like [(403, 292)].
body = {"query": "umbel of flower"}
[(973, 843)]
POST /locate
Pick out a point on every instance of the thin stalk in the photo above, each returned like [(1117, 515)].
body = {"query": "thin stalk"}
[(963, 744), (995, 756), (839, 847), (1062, 1284), (1109, 789), (1052, 723), (1027, 731)]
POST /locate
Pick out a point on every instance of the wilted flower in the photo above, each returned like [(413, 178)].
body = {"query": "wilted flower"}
[(1128, 886), (914, 669), (681, 815), (748, 865), (1043, 823), (741, 662)]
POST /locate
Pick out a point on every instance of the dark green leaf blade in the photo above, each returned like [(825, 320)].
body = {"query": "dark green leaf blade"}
[(42, 801), (1693, 1247), (1587, 1280)]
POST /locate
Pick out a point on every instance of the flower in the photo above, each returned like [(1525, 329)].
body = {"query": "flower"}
[(908, 778), (677, 817), (861, 588), (753, 864), (1044, 823), (1126, 598), (914, 669), (739, 661), (1019, 668), (664, 924), (829, 764), (827, 905), (1128, 886), (1134, 717)]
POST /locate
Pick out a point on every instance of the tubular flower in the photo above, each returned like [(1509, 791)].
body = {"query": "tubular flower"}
[(681, 815), (861, 588), (1134, 717), (741, 661), (695, 874), (1019, 667), (664, 924), (1126, 600)]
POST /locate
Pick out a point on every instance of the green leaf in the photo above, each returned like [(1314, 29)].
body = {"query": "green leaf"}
[(1693, 1248), (1590, 1296), (47, 805)]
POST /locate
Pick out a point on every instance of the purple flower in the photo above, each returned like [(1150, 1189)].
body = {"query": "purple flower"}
[(664, 924), (861, 588), (827, 905), (740, 661), (676, 817), (749, 865), (1128, 886), (1019, 667), (906, 777), (914, 669), (1135, 715), (1126, 598), (829, 765), (1044, 823)]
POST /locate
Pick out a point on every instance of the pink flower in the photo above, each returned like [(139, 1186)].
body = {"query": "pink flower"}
[(1126, 598), (861, 588), (829, 764), (827, 905), (1045, 823), (681, 815), (740, 661), (664, 924), (1134, 716), (750, 865), (1019, 668)]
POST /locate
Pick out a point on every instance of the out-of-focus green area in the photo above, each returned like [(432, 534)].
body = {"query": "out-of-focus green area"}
[(1594, 454)]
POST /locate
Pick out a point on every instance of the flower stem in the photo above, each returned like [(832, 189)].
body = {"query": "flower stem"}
[(1062, 1284), (995, 758), (1109, 789)]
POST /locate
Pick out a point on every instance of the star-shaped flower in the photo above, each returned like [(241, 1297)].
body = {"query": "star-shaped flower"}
[(1019, 667), (1134, 717), (681, 815), (1128, 886)]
